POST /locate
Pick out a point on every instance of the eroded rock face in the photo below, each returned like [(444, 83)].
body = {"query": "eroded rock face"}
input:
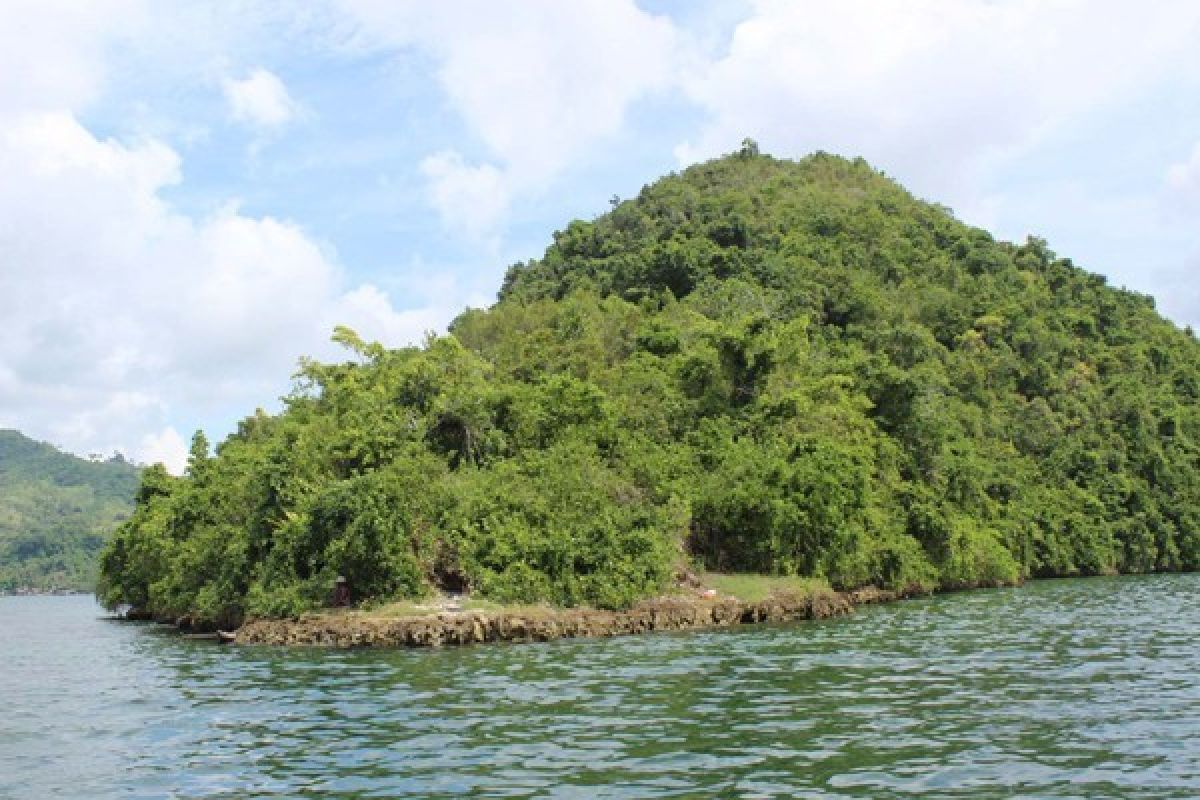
[(476, 627)]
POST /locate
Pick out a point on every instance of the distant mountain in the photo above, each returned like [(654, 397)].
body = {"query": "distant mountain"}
[(56, 511)]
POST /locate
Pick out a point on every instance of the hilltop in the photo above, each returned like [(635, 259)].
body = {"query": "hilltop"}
[(755, 365), (56, 512)]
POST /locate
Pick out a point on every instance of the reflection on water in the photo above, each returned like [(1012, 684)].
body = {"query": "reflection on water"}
[(1063, 688)]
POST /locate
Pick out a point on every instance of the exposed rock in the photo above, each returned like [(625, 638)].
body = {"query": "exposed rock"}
[(138, 615), (542, 625)]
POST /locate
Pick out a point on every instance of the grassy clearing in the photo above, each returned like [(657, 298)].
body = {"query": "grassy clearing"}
[(526, 609), (399, 608), (439, 605), (750, 588), (744, 586)]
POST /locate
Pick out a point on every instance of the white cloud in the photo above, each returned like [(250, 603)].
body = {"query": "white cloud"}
[(538, 83), (52, 52), (121, 314), (259, 100), (375, 319), (1184, 177), (933, 90), (165, 447), (127, 320), (549, 81), (474, 198)]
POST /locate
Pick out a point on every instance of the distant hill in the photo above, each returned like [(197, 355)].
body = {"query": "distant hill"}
[(56, 511)]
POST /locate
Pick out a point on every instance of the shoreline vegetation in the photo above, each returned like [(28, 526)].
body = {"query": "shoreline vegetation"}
[(456, 620), (451, 621), (789, 369)]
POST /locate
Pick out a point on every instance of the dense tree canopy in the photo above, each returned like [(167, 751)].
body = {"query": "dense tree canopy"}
[(758, 365), (56, 511)]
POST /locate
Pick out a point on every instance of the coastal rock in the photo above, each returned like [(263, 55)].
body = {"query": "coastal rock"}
[(359, 629)]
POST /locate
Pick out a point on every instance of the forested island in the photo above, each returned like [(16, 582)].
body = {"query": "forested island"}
[(754, 366), (56, 512)]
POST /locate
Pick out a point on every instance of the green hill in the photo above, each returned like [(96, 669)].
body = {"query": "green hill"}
[(756, 365), (56, 512)]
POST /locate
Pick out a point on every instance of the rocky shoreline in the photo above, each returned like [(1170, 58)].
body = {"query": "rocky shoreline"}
[(34, 591), (356, 629)]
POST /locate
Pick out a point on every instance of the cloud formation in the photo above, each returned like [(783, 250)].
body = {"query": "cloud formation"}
[(1183, 177), (473, 197), (53, 52), (539, 84), (259, 100), (935, 90), (120, 311), (138, 306)]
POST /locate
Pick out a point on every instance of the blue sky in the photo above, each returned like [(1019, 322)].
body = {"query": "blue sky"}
[(195, 194)]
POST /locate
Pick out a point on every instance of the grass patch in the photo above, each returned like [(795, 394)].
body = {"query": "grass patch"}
[(744, 586), (433, 605), (527, 609), (751, 588), (398, 608)]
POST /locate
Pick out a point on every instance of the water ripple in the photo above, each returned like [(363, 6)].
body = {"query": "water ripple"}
[(1060, 689)]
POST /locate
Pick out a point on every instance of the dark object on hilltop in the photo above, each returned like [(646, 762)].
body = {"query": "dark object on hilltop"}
[(755, 365)]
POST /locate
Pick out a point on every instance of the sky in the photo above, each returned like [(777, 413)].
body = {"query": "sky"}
[(192, 195)]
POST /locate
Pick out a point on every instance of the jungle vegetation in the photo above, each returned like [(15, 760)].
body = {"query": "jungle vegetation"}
[(56, 512), (759, 365)]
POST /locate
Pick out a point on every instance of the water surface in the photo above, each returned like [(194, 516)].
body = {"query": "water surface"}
[(1082, 688)]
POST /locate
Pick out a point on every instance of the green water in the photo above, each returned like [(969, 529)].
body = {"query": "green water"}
[(1061, 689)]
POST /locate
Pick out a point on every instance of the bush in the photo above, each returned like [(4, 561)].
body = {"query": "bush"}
[(896, 562)]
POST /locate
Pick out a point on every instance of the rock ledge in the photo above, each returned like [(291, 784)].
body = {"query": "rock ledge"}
[(362, 629)]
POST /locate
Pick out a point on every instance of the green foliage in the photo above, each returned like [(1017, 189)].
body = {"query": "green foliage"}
[(791, 368), (56, 511), (754, 588), (789, 507), (889, 561), (563, 525)]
